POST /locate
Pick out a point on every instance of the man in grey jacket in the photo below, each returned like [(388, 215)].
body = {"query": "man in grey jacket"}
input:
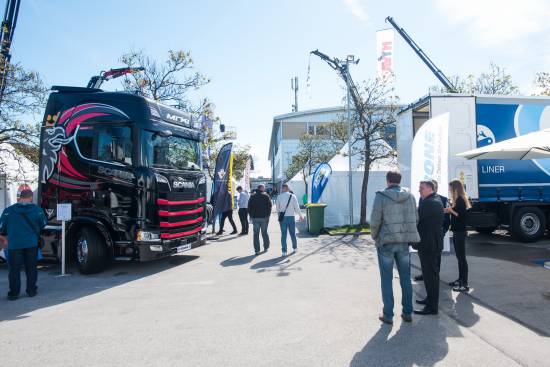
[(393, 228)]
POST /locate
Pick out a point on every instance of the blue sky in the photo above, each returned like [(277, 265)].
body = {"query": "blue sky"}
[(251, 49)]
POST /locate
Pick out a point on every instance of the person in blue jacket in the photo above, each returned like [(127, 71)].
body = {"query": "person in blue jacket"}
[(21, 223)]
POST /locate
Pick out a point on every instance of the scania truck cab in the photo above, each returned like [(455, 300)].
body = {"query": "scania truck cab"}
[(130, 167)]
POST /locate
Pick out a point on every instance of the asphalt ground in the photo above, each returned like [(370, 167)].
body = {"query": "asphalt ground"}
[(219, 305)]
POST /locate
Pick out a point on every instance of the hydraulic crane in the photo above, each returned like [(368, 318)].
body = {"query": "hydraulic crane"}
[(97, 80), (342, 67), (6, 37), (429, 63)]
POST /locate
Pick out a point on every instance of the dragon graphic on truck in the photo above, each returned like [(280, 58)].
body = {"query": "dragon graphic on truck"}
[(60, 130)]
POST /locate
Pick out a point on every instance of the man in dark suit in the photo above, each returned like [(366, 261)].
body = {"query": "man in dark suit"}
[(446, 221), (430, 223)]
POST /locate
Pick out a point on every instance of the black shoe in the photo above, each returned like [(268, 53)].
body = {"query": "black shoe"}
[(256, 253), (32, 293), (266, 249), (219, 233), (456, 283), (12, 297), (425, 311), (419, 278), (422, 301), (234, 232)]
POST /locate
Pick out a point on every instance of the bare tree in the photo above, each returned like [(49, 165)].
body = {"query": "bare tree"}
[(495, 81), (373, 129), (23, 100), (168, 82), (542, 84), (313, 150)]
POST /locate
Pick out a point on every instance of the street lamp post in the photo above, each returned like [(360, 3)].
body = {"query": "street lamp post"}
[(349, 59)]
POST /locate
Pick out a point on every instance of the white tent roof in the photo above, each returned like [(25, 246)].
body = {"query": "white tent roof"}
[(15, 166)]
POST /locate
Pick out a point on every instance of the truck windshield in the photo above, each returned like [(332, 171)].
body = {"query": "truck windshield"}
[(174, 152)]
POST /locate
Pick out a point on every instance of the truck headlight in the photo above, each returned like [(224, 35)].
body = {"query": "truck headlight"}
[(202, 180), (148, 236)]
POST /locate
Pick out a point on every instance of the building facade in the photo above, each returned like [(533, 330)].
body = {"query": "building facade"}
[(286, 132)]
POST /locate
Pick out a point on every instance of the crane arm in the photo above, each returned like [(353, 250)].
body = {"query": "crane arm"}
[(6, 37), (342, 69), (97, 80), (423, 56)]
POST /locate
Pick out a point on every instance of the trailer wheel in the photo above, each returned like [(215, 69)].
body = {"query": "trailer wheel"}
[(485, 230), (90, 251), (528, 224)]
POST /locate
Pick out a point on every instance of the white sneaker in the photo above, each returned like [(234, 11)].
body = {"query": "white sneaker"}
[(284, 253)]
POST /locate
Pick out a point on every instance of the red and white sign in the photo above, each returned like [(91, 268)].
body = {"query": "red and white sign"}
[(384, 53)]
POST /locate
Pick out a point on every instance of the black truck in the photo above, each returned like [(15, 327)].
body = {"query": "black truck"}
[(130, 167)]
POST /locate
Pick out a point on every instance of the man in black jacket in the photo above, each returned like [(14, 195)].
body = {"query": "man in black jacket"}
[(446, 220), (259, 209), (430, 223)]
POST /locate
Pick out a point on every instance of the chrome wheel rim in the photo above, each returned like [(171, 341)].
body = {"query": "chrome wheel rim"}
[(82, 250), (530, 223)]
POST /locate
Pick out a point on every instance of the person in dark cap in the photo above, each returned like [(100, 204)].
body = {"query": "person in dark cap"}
[(20, 224)]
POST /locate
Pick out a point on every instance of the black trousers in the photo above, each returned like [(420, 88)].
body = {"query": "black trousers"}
[(17, 258), (229, 215), (459, 242), (243, 217), (430, 262)]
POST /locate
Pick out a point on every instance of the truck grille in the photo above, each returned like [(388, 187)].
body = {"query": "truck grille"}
[(180, 216)]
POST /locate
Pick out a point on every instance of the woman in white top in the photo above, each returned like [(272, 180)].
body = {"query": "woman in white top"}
[(287, 203)]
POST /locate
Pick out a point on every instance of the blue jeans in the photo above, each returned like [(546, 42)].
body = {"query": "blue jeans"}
[(288, 225), (257, 225), (18, 258), (386, 256)]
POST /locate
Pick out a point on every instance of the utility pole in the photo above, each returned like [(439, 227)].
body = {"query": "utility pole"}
[(352, 94), (294, 87)]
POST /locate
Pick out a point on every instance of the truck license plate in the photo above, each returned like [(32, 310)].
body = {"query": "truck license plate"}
[(183, 248)]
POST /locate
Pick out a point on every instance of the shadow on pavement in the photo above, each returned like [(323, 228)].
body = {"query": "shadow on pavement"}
[(236, 261), (276, 261), (424, 343), (461, 310), (502, 246), (54, 290)]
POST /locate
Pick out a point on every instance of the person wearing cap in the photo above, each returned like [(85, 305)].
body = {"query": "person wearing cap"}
[(21, 224)]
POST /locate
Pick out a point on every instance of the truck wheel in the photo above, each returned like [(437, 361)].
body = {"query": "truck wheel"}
[(90, 249), (528, 224), (486, 230)]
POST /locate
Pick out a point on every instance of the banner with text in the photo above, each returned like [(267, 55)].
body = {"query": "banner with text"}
[(430, 157), (319, 181), (384, 53)]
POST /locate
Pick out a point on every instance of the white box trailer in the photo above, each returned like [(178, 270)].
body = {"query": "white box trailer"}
[(509, 193)]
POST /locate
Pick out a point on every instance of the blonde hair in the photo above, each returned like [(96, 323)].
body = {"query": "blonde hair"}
[(457, 190)]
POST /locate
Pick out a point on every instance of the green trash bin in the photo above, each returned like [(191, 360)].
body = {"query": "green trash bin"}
[(315, 217)]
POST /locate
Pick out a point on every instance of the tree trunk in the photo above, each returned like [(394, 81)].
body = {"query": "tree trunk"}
[(305, 185), (364, 187)]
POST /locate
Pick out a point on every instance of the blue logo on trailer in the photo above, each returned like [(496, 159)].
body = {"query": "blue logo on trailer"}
[(319, 181), (511, 179)]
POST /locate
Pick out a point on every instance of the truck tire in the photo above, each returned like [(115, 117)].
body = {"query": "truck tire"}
[(528, 224), (90, 251), (485, 230)]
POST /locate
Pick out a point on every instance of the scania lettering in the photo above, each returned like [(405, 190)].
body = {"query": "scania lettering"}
[(133, 177)]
